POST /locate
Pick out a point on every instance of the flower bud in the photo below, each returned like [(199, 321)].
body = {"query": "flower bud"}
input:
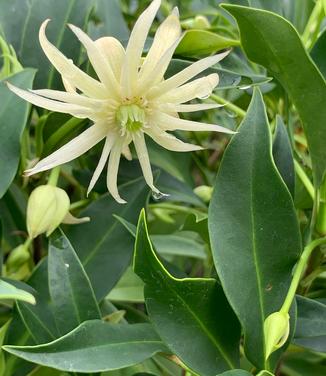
[(204, 192), (199, 22), (276, 331), (17, 257), (46, 209)]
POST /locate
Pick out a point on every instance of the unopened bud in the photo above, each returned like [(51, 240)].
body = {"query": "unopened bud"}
[(47, 206), (204, 192), (199, 22), (17, 257), (276, 331)]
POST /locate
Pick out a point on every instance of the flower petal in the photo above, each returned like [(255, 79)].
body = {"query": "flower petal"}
[(135, 47), (73, 149), (168, 107), (69, 219), (78, 111), (114, 52), (200, 88), (168, 141), (166, 36), (142, 153), (109, 142), (127, 153), (72, 98), (187, 74), (99, 61), (112, 175), (172, 123), (70, 73)]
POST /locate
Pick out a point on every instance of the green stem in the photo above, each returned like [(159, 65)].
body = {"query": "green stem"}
[(79, 204), (299, 269), (54, 176), (310, 33), (232, 107), (304, 178)]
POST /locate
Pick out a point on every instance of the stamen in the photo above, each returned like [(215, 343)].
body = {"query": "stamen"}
[(130, 117)]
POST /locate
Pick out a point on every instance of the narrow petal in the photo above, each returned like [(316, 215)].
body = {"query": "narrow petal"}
[(72, 74), (69, 219), (114, 52), (187, 74), (72, 98), (70, 88), (73, 149), (78, 111), (147, 81), (135, 47), (166, 36), (112, 175), (142, 153), (200, 88), (127, 153), (99, 61), (171, 123), (109, 141), (168, 141), (189, 107)]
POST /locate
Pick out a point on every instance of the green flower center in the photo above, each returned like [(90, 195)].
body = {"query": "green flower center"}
[(130, 117)]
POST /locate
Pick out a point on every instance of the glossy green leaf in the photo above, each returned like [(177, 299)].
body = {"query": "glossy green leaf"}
[(9, 291), (39, 320), (311, 324), (270, 40), (103, 244), (73, 299), (20, 21), (3, 331), (192, 316), (13, 117), (282, 154), (203, 42), (253, 228), (95, 346), (236, 372)]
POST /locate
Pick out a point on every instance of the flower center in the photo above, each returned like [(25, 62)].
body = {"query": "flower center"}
[(130, 117)]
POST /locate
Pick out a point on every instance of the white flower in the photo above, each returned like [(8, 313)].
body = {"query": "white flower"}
[(130, 99)]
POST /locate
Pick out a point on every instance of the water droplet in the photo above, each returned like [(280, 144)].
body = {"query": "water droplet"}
[(159, 195), (67, 266), (230, 114), (244, 87)]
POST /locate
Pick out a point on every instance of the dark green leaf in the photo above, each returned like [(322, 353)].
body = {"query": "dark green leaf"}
[(311, 324), (318, 53), (72, 296), (192, 316), (235, 372), (95, 346), (13, 116), (20, 21), (253, 228), (103, 245), (282, 154), (270, 40)]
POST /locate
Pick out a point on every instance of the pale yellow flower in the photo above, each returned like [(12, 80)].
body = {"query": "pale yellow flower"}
[(131, 98)]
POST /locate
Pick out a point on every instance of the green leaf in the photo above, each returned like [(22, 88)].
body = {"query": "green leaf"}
[(95, 346), (236, 372), (318, 53), (192, 316), (9, 291), (3, 331), (103, 245), (311, 324), (203, 42), (39, 319), (13, 117), (253, 228), (20, 21), (270, 40), (110, 21), (72, 296), (282, 154)]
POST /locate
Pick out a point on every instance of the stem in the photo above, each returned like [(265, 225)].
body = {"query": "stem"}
[(232, 107), (54, 176), (311, 30), (300, 267), (79, 204), (304, 178)]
